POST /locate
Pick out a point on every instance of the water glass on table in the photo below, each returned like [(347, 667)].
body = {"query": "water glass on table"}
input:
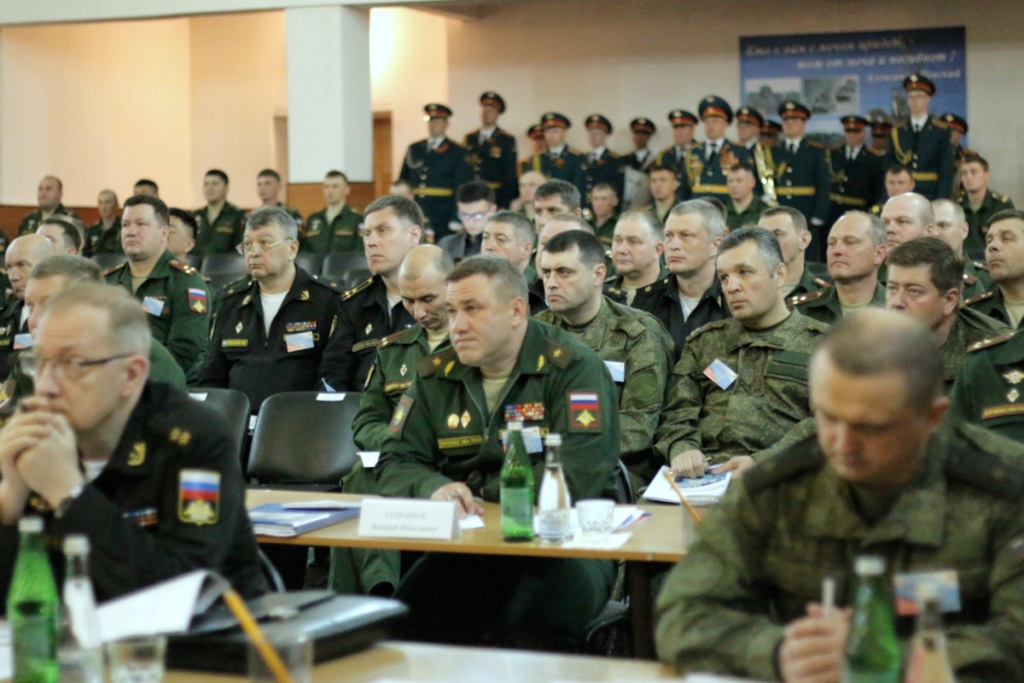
[(137, 660), (596, 517), (296, 653)]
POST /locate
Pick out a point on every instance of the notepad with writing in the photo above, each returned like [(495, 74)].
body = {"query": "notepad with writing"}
[(275, 519)]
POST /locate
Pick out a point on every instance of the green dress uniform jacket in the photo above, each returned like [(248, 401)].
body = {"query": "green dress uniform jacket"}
[(988, 388), (569, 165), (176, 300), (766, 407), (605, 231), (341, 235), (493, 160), (442, 432), (103, 241), (222, 235), (991, 304), (434, 176), (929, 154), (969, 328), (856, 183), (145, 517), (749, 216), (790, 522), (10, 327), (243, 356), (824, 305), (364, 318), (708, 176), (638, 352), (809, 282), (662, 301), (991, 205), (32, 220)]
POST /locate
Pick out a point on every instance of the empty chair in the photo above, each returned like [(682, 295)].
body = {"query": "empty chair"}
[(233, 405), (230, 264), (310, 262), (352, 278), (338, 264), (108, 261), (303, 440)]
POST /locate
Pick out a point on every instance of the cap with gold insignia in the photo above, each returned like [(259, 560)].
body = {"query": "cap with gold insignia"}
[(642, 125), (535, 132), (749, 115), (555, 120), (713, 105), (493, 99), (956, 122), (437, 111), (880, 126), (599, 122), (791, 109), (680, 117), (771, 127), (854, 124), (919, 82)]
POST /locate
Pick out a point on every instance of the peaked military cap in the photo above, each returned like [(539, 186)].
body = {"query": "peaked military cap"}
[(681, 117), (750, 115), (954, 121), (713, 105), (555, 120), (791, 109), (771, 127), (493, 99), (437, 111), (919, 82), (642, 125), (854, 124), (536, 132), (598, 121)]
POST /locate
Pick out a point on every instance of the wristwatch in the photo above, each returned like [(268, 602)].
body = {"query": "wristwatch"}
[(65, 503)]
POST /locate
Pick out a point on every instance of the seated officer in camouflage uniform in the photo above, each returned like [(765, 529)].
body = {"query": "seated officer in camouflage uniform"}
[(1004, 255), (173, 294), (634, 346), (270, 332), (149, 475), (925, 282), (856, 250), (421, 280), (638, 244), (741, 384), (336, 228), (882, 478), (951, 227), (445, 443)]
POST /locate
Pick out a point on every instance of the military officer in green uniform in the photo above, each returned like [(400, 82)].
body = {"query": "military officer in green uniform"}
[(740, 386), (662, 183), (952, 228), (104, 236), (858, 176), (884, 477), (434, 169), (268, 188), (560, 161), (48, 196), (1004, 255), (683, 124), (422, 282), (708, 164), (637, 248), (923, 143), (491, 151), (856, 250), (336, 228), (978, 202), (22, 256), (603, 204), (790, 228), (445, 443), (987, 390), (802, 176), (603, 165), (744, 207), (633, 344), (373, 309), (172, 293), (220, 222)]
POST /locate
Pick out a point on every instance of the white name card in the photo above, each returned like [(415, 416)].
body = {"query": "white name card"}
[(409, 518)]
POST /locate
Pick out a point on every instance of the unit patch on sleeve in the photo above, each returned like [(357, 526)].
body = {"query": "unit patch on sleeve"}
[(197, 300), (584, 411), (401, 413), (199, 496)]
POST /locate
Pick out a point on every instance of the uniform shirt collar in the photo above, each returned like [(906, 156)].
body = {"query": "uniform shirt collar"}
[(919, 123), (556, 151), (488, 132)]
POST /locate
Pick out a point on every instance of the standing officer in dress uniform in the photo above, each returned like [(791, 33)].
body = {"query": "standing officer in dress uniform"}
[(220, 222), (683, 123), (491, 151), (708, 164), (881, 136), (636, 164), (923, 143), (603, 165), (802, 177), (749, 123), (269, 333), (770, 132), (336, 227), (434, 169), (560, 162), (540, 146), (858, 176)]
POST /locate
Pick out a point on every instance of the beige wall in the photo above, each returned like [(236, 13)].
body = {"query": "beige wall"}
[(646, 57)]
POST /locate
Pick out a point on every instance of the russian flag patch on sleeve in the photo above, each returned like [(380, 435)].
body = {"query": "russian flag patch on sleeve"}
[(584, 411), (197, 300), (199, 496)]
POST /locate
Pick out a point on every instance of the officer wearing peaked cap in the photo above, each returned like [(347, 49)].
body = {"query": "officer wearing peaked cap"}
[(923, 143), (708, 164), (881, 132), (674, 157), (770, 132), (540, 146), (491, 151), (857, 175), (748, 126), (603, 165), (802, 177), (434, 168), (560, 161)]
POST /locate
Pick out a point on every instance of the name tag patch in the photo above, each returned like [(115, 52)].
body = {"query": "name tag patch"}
[(300, 341), (234, 343), (459, 442), (1002, 411), (199, 496)]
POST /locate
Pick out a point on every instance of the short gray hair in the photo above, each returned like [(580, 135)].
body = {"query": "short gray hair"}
[(273, 215), (876, 228), (504, 276), (767, 245), (647, 219), (958, 211), (128, 329), (74, 268), (710, 217), (522, 227)]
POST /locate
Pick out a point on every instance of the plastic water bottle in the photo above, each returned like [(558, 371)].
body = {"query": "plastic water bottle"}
[(872, 650), (32, 608), (516, 488), (555, 503), (79, 645)]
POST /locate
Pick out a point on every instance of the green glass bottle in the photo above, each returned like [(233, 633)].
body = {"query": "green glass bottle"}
[(32, 608), (872, 653), (516, 488)]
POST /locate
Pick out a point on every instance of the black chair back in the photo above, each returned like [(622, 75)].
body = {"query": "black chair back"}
[(310, 262), (229, 263), (339, 263), (303, 439), (108, 261), (234, 406)]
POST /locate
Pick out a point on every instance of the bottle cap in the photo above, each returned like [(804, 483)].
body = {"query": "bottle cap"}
[(516, 426), (869, 565), (31, 524), (76, 544), (554, 439)]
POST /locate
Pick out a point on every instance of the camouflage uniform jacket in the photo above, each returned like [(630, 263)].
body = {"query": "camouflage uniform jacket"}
[(791, 521), (767, 406)]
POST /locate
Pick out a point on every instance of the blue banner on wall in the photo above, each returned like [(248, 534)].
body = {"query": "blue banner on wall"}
[(837, 74)]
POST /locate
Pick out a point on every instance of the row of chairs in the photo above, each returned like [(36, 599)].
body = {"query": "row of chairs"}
[(344, 268)]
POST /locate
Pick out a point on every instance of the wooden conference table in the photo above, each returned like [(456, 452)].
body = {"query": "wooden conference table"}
[(654, 543)]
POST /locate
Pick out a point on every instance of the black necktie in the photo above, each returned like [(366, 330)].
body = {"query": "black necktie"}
[(792, 148)]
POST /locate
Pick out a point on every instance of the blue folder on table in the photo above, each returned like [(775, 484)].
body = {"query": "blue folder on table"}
[(274, 519)]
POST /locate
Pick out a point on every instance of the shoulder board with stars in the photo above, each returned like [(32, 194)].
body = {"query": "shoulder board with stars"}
[(939, 123), (821, 283), (804, 298), (110, 271), (329, 284), (992, 341), (355, 290), (979, 297), (183, 267), (980, 265), (812, 143), (970, 279), (437, 362), (560, 356), (237, 287), (390, 339)]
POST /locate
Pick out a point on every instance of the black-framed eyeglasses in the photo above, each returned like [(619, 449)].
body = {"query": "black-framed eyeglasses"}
[(63, 368)]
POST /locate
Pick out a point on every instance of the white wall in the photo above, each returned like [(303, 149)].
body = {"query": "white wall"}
[(646, 57)]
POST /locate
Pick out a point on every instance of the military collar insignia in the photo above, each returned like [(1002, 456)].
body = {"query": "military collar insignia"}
[(1014, 377), (404, 369), (238, 327), (1012, 395), (305, 297), (369, 328), (138, 454), (453, 421)]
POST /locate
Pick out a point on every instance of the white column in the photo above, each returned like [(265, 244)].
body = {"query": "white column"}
[(330, 121)]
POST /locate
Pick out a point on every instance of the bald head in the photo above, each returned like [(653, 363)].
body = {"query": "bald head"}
[(906, 217), (426, 259), (422, 282), (563, 222), (22, 256)]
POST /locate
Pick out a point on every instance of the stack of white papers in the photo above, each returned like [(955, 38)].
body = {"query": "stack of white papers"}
[(704, 491)]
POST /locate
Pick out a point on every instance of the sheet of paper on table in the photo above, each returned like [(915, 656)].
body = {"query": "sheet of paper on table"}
[(6, 657), (471, 522), (704, 491), (166, 607)]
